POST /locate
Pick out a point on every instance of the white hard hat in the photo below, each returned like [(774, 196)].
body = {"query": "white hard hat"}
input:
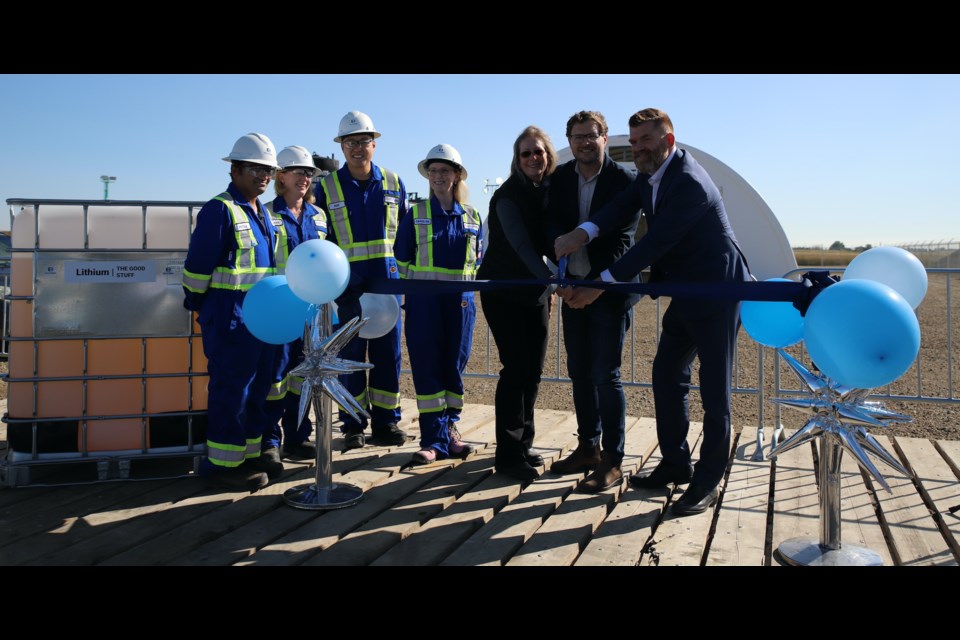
[(353, 123), (294, 156), (254, 147), (442, 152)]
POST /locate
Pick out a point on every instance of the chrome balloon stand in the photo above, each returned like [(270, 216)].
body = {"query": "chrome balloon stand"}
[(839, 415), (320, 385)]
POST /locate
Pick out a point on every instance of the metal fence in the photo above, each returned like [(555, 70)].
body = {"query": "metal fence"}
[(757, 370)]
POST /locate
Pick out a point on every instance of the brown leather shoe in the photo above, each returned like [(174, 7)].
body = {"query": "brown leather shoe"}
[(584, 458), (607, 474)]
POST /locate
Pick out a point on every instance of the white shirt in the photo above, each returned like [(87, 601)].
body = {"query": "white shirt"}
[(654, 181)]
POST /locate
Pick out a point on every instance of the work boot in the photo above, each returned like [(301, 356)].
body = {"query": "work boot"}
[(268, 462), (300, 451), (240, 478), (584, 458), (389, 434), (457, 448), (606, 475), (353, 438)]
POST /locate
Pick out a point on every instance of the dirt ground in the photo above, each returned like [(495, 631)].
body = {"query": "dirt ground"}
[(931, 420), (940, 373)]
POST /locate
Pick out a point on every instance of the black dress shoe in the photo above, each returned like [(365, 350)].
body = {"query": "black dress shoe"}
[(696, 499), (533, 459), (662, 475), (518, 470)]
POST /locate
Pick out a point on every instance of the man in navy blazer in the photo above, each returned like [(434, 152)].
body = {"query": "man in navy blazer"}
[(688, 239), (594, 336)]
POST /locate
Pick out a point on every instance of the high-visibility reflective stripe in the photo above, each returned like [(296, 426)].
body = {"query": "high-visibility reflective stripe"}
[(432, 403), (246, 241), (454, 400), (339, 219), (239, 281), (423, 268), (253, 448), (384, 399), (196, 282), (225, 455), (281, 250), (245, 273), (362, 398), (278, 390), (294, 384)]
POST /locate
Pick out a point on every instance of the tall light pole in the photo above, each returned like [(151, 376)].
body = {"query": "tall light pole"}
[(489, 186), (106, 185)]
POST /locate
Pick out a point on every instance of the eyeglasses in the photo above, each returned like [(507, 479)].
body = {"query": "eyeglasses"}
[(258, 170), (439, 172), (302, 173), (536, 152), (580, 137), (353, 144)]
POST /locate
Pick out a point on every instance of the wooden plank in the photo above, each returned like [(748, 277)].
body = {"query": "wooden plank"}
[(439, 536), (59, 508), (938, 482), (620, 539), (858, 515), (913, 531), (741, 532), (93, 520), (498, 540), (315, 535), (452, 478), (680, 541), (232, 545), (564, 535), (796, 501)]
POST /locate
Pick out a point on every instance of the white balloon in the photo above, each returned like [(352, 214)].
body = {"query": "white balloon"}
[(895, 267), (383, 311)]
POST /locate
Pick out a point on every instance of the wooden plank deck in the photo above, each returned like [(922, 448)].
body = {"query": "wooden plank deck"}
[(460, 512)]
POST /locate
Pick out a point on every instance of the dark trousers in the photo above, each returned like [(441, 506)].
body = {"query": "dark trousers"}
[(593, 337), (713, 338), (520, 331)]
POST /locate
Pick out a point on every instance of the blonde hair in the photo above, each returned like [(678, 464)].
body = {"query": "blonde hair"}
[(279, 188)]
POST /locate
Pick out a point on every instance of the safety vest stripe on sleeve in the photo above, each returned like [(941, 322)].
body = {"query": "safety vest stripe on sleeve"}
[(384, 399), (432, 403), (195, 282)]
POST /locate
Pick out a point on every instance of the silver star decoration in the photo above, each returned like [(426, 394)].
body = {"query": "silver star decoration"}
[(321, 368), (841, 413)]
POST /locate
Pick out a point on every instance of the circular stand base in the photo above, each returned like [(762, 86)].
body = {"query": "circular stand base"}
[(808, 552), (336, 496)]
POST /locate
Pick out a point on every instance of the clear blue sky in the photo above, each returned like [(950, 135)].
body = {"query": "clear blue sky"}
[(860, 159)]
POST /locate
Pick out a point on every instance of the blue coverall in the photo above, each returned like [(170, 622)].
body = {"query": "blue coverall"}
[(232, 249), (363, 221), (283, 402), (433, 244)]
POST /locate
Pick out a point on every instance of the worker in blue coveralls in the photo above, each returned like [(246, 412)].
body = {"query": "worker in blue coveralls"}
[(236, 243), (365, 204), (440, 240), (302, 221)]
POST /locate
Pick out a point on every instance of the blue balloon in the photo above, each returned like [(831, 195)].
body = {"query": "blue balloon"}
[(862, 333), (318, 271), (772, 324), (272, 313)]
